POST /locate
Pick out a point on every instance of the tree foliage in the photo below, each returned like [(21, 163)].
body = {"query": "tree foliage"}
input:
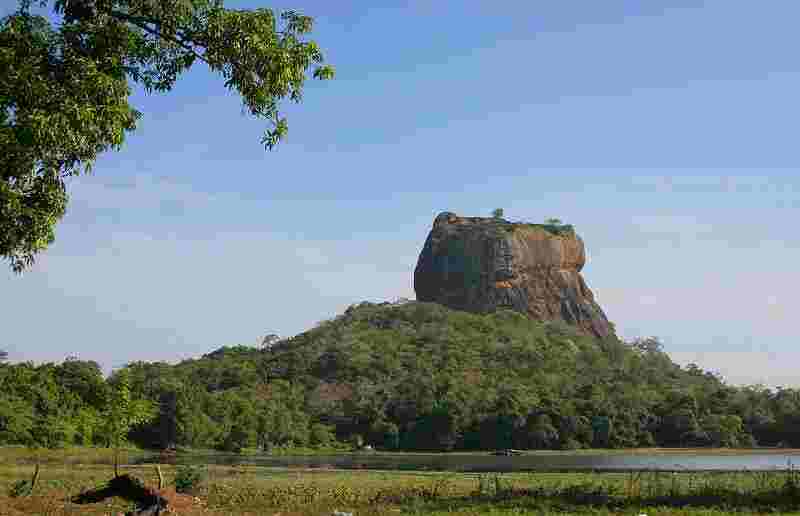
[(414, 376), (122, 412), (64, 90)]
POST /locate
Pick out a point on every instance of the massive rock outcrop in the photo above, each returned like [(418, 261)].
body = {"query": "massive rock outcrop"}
[(480, 264)]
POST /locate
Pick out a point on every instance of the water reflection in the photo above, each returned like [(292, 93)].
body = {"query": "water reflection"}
[(490, 463)]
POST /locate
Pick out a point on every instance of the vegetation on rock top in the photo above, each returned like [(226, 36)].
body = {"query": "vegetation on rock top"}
[(553, 229), (553, 226)]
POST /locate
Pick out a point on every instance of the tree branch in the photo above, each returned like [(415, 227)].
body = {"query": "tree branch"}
[(142, 24)]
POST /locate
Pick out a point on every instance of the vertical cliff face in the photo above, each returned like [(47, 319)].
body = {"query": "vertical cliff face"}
[(482, 264)]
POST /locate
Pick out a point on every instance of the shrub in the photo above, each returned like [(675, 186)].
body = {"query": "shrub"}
[(322, 435), (21, 488), (235, 441), (188, 478)]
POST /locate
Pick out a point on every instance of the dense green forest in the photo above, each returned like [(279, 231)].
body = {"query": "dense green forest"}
[(409, 376)]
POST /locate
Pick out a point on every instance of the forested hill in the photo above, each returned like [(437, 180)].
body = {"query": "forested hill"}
[(414, 376)]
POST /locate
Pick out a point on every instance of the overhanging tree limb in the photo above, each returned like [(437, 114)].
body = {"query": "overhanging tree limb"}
[(142, 22), (64, 91)]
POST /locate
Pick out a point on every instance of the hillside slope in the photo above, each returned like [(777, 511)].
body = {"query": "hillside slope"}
[(414, 376), (422, 376)]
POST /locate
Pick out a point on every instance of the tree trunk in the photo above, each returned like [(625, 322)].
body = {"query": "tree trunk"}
[(160, 477), (35, 477)]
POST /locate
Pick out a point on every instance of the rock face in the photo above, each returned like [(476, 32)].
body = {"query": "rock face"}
[(482, 264)]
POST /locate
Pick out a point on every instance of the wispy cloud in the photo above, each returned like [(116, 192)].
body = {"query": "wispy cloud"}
[(175, 295)]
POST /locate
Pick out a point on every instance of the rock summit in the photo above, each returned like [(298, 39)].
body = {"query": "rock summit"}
[(480, 264)]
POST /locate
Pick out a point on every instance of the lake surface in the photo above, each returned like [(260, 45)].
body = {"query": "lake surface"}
[(683, 461)]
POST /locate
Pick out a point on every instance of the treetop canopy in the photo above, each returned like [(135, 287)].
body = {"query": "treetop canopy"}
[(64, 90)]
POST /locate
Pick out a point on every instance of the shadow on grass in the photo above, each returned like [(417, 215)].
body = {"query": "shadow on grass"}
[(127, 488)]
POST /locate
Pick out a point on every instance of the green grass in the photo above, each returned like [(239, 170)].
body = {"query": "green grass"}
[(21, 455), (241, 490)]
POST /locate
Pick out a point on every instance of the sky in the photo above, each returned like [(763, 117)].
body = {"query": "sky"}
[(665, 132)]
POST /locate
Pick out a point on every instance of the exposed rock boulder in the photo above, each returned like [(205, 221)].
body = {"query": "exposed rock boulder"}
[(481, 264)]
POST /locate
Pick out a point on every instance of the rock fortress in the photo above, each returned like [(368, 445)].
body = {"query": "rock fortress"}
[(481, 264)]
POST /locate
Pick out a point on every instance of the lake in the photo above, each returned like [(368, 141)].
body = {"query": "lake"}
[(751, 460)]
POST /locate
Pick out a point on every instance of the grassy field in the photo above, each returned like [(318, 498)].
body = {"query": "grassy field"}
[(241, 490)]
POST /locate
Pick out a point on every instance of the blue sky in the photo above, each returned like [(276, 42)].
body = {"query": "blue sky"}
[(664, 131)]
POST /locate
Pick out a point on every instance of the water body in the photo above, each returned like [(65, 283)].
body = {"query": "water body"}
[(728, 461)]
